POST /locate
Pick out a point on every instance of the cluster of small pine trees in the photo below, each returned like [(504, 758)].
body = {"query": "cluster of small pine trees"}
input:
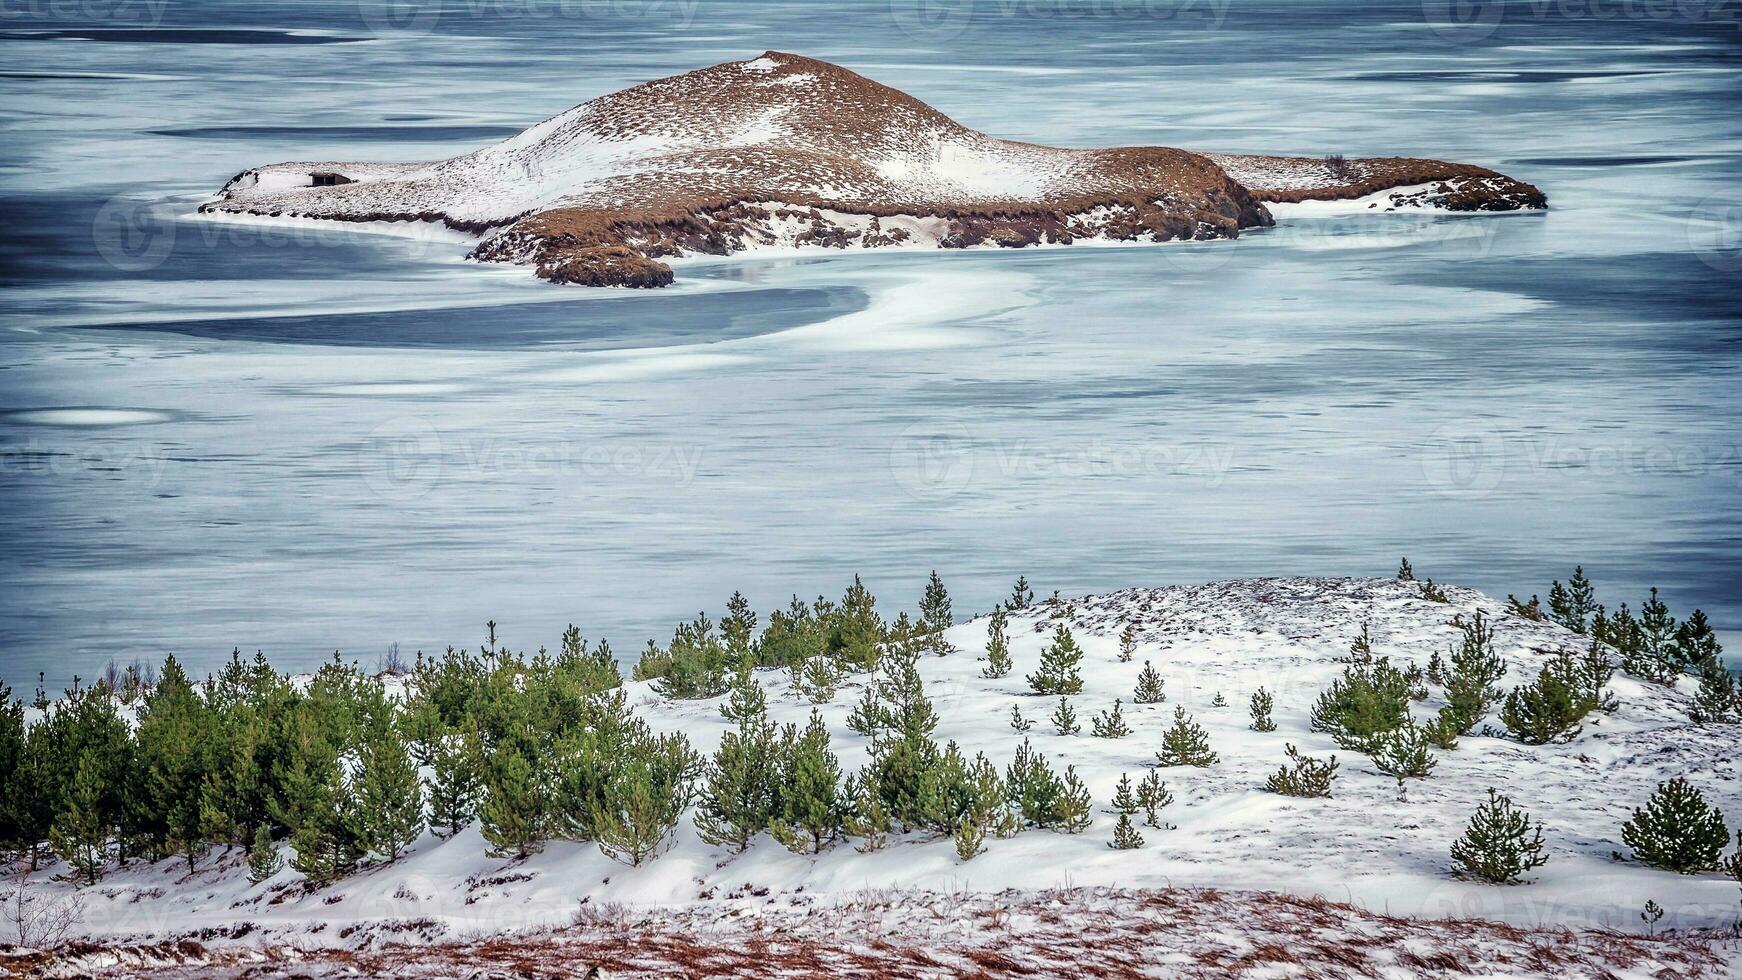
[(1651, 644), (1675, 831), (531, 748)]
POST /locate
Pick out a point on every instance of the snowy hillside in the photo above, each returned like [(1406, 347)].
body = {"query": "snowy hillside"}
[(783, 150), (1370, 845)]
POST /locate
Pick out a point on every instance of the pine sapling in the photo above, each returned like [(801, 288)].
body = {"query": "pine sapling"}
[(970, 838), (1303, 776), (1651, 916), (1074, 804), (1185, 743), (997, 646), (1125, 836), (1361, 647), (263, 859), (1059, 663), (935, 615), (1676, 830), (1018, 723), (1500, 845), (1403, 753), (1218, 701), (866, 816), (1064, 718), (1261, 705), (1716, 701), (1153, 796), (1127, 643), (817, 677), (1111, 723), (1550, 709), (1124, 798), (1149, 688), (1405, 572)]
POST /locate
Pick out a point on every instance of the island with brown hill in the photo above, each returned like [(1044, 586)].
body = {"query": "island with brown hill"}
[(784, 151)]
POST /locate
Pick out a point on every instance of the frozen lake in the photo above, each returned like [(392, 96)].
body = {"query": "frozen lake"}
[(304, 439)]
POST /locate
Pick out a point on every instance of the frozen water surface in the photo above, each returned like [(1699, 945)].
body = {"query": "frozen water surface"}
[(305, 438)]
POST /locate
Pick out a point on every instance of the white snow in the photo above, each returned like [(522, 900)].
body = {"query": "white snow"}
[(1366, 845)]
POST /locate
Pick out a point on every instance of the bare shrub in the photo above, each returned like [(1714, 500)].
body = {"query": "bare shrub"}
[(35, 918)]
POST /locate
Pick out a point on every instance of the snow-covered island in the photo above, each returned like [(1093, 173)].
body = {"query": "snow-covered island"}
[(785, 151), (1133, 784)]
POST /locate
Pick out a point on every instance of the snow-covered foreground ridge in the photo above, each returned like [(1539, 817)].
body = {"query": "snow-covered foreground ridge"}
[(1382, 853), (783, 151)]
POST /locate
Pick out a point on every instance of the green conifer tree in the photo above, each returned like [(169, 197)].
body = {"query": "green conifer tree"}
[(1074, 804), (1676, 830), (389, 796), (1716, 701), (515, 815), (1127, 643), (744, 699), (867, 818), (1124, 799), (648, 790), (935, 615), (1303, 776), (997, 645), (736, 800), (855, 631), (868, 716), (1403, 753), (1550, 709), (1560, 607), (1149, 687), (1582, 598), (1153, 796), (1017, 722), (263, 859), (812, 807), (1262, 703), (1125, 836), (1475, 670), (1405, 572), (1059, 665), (970, 838), (1500, 845), (1658, 631), (1111, 723), (1064, 718), (817, 678), (455, 781), (1695, 642), (1185, 743), (1021, 596), (738, 628), (173, 738), (81, 832)]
